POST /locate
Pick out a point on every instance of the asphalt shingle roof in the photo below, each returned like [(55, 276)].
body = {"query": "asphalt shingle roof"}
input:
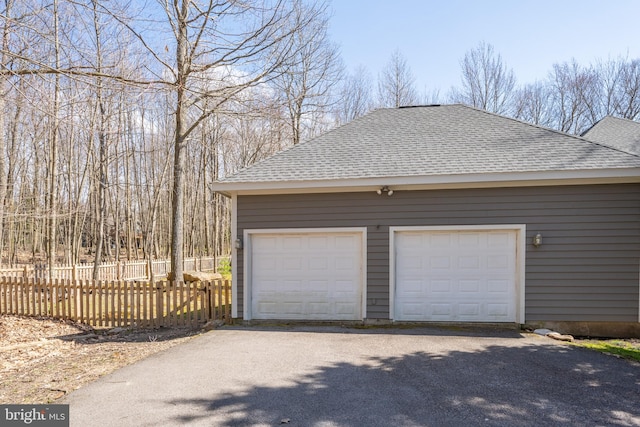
[(619, 133), (429, 141)]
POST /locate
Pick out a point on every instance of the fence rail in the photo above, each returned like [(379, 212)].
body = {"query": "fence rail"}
[(118, 303), (122, 270)]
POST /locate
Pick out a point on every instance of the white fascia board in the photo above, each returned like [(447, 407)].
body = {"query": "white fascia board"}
[(435, 182)]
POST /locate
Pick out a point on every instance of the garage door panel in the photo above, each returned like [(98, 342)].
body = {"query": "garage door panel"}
[(437, 240), (438, 286), (291, 286), (346, 309), (500, 262), (345, 287), (321, 287), (441, 309), (317, 308), (289, 243), (346, 263), (468, 240), (290, 263), (347, 243), (316, 276), (318, 263), (318, 242), (290, 308), (460, 276), (469, 309), (413, 287), (267, 262), (410, 262), (499, 310), (412, 310), (438, 262), (469, 286), (265, 245), (499, 239), (469, 262), (266, 307), (498, 286)]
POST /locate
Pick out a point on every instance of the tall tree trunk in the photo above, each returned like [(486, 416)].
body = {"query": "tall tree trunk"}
[(102, 162), (180, 146), (53, 151), (3, 93)]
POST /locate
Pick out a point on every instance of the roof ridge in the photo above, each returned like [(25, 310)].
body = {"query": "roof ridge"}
[(624, 119)]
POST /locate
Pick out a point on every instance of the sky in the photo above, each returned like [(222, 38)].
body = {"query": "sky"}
[(531, 36)]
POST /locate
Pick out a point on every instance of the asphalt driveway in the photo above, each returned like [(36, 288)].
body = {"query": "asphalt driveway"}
[(332, 376)]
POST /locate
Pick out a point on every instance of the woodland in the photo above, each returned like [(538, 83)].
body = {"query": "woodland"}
[(118, 115)]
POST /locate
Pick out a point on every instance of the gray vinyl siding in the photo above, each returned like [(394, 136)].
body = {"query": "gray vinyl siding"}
[(586, 270)]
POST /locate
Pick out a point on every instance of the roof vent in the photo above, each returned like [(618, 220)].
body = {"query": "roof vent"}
[(419, 106)]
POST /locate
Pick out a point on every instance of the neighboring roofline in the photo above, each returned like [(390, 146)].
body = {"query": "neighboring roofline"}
[(607, 117), (434, 182), (559, 132), (582, 135)]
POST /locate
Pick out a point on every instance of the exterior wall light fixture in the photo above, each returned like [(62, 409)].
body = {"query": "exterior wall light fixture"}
[(537, 240), (384, 189), (238, 243)]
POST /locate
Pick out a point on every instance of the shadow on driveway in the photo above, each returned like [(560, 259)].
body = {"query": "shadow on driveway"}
[(383, 377)]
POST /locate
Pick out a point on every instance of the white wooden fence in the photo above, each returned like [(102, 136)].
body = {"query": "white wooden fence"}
[(122, 270)]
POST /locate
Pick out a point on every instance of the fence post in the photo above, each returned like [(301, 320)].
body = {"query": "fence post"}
[(150, 274)]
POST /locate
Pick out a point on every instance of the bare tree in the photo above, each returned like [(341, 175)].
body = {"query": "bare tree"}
[(53, 147), (396, 83), (609, 76), (7, 13), (626, 90), (101, 99), (355, 96), (532, 104), (574, 97), (102, 140), (487, 83), (316, 68), (220, 50)]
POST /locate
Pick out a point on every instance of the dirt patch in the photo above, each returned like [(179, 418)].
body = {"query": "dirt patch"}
[(41, 360)]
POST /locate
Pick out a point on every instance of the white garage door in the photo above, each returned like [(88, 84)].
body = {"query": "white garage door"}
[(455, 276), (307, 276)]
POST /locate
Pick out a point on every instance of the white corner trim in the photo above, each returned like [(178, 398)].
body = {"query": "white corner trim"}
[(234, 257), (248, 233), (246, 276), (521, 246)]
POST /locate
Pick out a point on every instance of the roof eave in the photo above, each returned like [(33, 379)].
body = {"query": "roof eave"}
[(434, 182)]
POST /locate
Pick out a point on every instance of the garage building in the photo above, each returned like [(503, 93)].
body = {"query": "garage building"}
[(440, 214)]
